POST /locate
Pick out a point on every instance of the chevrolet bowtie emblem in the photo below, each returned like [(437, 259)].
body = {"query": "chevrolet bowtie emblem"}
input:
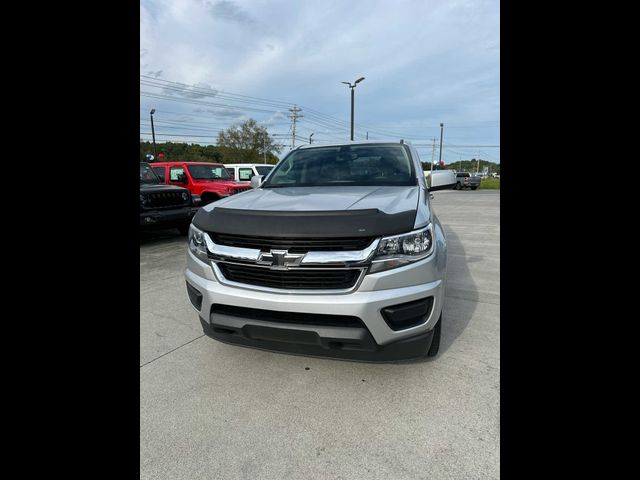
[(280, 259)]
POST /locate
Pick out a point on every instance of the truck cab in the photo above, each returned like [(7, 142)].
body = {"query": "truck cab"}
[(210, 181)]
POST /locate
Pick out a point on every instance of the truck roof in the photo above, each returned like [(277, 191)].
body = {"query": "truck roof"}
[(359, 142)]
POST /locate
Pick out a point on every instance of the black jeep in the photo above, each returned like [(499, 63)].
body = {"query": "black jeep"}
[(164, 206)]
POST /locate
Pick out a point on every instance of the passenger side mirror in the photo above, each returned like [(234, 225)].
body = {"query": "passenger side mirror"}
[(256, 181), (184, 179)]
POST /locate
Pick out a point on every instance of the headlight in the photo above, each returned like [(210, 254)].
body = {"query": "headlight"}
[(197, 243), (400, 250)]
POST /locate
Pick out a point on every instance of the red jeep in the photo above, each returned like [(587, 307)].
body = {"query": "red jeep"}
[(209, 180)]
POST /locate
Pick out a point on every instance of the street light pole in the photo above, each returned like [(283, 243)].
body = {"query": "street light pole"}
[(352, 95), (264, 146), (310, 137), (153, 134), (441, 131), (352, 100)]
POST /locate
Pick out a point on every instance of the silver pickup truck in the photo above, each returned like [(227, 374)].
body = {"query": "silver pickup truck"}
[(336, 253), (467, 180)]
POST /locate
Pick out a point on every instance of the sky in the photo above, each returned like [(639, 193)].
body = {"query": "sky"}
[(206, 65)]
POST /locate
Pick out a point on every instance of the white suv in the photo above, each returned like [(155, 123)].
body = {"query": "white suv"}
[(242, 172)]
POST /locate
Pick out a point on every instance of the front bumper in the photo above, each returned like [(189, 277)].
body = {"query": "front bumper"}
[(375, 340), (166, 218), (345, 343)]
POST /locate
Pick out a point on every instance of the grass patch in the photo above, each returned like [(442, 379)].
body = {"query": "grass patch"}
[(490, 183)]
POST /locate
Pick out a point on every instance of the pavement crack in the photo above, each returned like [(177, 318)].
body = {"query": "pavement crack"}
[(173, 350)]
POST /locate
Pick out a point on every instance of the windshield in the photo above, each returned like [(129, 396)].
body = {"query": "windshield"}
[(264, 170), (147, 175), (357, 165), (208, 172)]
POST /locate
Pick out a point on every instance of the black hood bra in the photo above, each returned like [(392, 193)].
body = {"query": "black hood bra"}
[(296, 224)]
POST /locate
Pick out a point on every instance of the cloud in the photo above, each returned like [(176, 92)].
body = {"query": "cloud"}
[(424, 62), (228, 10), (199, 90), (222, 112)]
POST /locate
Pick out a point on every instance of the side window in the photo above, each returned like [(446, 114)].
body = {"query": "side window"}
[(175, 173), (232, 172), (245, 173), (160, 171)]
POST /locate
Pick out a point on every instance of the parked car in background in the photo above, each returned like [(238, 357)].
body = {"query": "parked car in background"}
[(164, 206), (466, 180), (242, 172), (210, 181), (337, 253)]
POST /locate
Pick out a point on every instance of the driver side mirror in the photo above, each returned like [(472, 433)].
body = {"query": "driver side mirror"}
[(256, 181)]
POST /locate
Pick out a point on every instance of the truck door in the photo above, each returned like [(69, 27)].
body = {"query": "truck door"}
[(178, 176)]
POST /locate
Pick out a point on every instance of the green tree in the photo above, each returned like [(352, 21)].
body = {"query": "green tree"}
[(182, 152), (247, 143)]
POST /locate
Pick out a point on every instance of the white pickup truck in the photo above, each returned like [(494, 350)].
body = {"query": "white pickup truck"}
[(440, 179)]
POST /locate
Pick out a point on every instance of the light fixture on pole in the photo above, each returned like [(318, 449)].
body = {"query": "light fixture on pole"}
[(310, 137), (352, 87), (153, 133)]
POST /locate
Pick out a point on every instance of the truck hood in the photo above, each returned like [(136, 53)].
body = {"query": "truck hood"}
[(160, 187), (314, 212), (389, 200)]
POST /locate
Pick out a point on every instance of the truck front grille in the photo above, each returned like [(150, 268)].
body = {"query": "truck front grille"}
[(166, 200), (294, 279), (293, 245)]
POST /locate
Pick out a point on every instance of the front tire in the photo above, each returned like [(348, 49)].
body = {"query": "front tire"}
[(435, 343)]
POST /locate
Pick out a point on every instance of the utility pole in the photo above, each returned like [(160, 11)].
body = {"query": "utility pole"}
[(294, 117), (478, 163), (460, 166), (153, 134), (310, 137), (264, 146), (441, 132), (367, 135)]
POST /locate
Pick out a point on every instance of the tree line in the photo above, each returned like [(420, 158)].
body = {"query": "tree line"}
[(243, 143), (466, 166), (248, 142)]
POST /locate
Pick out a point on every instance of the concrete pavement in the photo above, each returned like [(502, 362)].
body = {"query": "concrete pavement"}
[(210, 410)]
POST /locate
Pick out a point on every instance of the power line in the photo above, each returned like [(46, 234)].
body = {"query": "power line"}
[(314, 117)]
